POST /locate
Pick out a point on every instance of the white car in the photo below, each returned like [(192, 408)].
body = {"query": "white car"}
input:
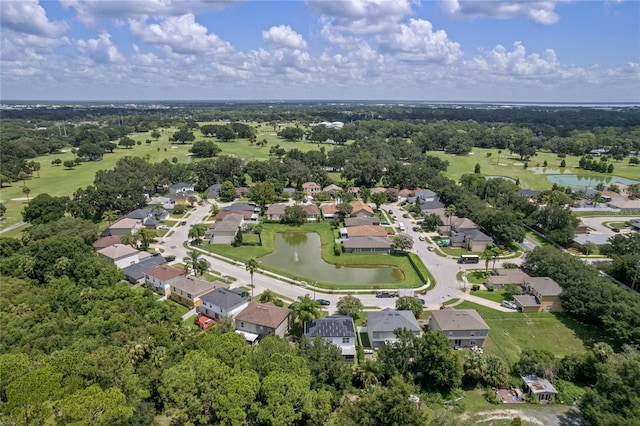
[(165, 227), (421, 238)]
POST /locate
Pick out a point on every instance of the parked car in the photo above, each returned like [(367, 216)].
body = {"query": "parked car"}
[(415, 229), (323, 302), (616, 230), (368, 351), (422, 301), (170, 258), (390, 211), (384, 222), (508, 304), (165, 227), (405, 215), (421, 238), (384, 294), (419, 222), (431, 248), (204, 322), (184, 222)]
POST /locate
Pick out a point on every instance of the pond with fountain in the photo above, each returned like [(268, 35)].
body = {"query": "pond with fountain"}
[(301, 254)]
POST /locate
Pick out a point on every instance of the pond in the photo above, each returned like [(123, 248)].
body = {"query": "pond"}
[(587, 181), (300, 254)]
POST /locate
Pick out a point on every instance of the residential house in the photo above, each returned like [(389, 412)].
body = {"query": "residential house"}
[(311, 211), (121, 255), (463, 327), (635, 224), (504, 277), (124, 226), (188, 290), (242, 191), (249, 211), (361, 209), (332, 189), (311, 188), (107, 241), (381, 326), (150, 217), (368, 244), (366, 231), (426, 195), (263, 319), (224, 231), (526, 303), (222, 302), (213, 191), (181, 188), (593, 237), (275, 211), (539, 389), (428, 207), (476, 240), (160, 278), (405, 192), (165, 202), (329, 211), (546, 291), (134, 274), (627, 205), (360, 221), (336, 329)]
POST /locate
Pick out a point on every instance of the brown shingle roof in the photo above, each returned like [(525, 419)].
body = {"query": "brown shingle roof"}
[(367, 231), (107, 241), (196, 286), (164, 272), (329, 209), (359, 206), (117, 251), (265, 314), (310, 209), (543, 285), (125, 223)]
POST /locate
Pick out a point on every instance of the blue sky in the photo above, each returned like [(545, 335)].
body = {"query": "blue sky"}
[(452, 50)]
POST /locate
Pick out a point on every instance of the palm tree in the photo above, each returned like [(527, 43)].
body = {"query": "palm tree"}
[(201, 266), (110, 216), (252, 266), (449, 211), (306, 309), (128, 239), (258, 230), (197, 232), (145, 236), (487, 254), (367, 373), (267, 296), (191, 260), (26, 191)]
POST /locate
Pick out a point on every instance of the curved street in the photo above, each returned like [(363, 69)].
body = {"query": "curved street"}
[(443, 269)]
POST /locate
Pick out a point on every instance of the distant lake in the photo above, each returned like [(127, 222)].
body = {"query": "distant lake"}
[(588, 181)]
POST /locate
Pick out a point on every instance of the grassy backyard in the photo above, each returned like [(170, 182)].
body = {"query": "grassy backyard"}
[(512, 332), (244, 253)]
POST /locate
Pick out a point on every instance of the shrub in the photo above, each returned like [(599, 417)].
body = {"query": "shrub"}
[(509, 265), (475, 287)]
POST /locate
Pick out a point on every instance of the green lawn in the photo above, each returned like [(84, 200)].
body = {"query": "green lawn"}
[(512, 167), (512, 332), (244, 253), (495, 296)]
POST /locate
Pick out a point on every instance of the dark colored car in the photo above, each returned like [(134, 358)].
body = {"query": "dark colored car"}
[(616, 230), (324, 302), (170, 258), (384, 294)]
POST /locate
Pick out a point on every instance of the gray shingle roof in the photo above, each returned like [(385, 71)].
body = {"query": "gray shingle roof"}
[(459, 319), (544, 285), (390, 320), (136, 271), (331, 326), (224, 298), (368, 242)]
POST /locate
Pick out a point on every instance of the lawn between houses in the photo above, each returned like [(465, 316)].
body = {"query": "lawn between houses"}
[(244, 253), (512, 332)]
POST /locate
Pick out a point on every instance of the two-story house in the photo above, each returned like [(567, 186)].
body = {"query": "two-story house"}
[(160, 278), (222, 302), (381, 326), (464, 328), (263, 319), (546, 292), (311, 188), (336, 329), (188, 290), (121, 255)]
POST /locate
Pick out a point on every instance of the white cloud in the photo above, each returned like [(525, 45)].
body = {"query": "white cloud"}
[(101, 50), (88, 11), (516, 62), (358, 17), (27, 16), (417, 41), (181, 34), (541, 12), (283, 36)]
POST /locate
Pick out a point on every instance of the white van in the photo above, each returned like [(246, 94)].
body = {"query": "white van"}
[(401, 226)]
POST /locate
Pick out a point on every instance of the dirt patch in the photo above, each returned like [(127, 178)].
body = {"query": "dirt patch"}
[(20, 199), (540, 415), (518, 164), (502, 164)]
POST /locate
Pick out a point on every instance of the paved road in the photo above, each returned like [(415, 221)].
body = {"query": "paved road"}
[(14, 226), (596, 223), (443, 269)]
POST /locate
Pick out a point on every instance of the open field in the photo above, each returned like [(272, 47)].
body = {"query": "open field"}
[(512, 332), (244, 253), (512, 167)]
